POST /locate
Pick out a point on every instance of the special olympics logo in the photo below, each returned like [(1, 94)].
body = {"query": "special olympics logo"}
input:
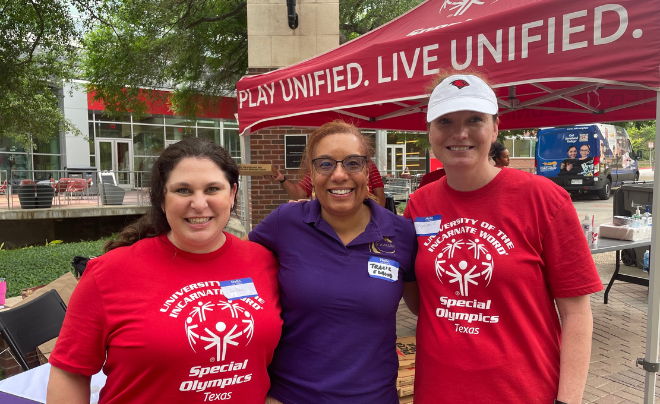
[(459, 7), (464, 263), (219, 324)]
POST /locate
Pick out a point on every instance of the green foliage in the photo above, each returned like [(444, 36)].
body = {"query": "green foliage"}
[(357, 17), (197, 47), (641, 135), (37, 54), (34, 266)]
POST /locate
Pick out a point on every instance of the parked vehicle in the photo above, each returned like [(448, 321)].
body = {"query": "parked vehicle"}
[(587, 158)]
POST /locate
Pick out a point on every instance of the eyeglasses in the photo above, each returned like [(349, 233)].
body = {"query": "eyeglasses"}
[(352, 164)]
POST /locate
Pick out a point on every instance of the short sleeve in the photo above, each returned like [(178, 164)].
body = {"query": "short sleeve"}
[(266, 233), (570, 270), (306, 184), (375, 179), (81, 345)]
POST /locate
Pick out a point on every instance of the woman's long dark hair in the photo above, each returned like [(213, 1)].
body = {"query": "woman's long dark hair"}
[(154, 222)]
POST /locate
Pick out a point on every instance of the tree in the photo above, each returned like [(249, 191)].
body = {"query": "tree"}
[(641, 133), (357, 17), (37, 55), (196, 47)]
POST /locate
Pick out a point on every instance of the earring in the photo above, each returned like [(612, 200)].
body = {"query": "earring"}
[(313, 193)]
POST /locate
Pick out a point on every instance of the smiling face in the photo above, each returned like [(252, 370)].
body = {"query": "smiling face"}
[(198, 200), (462, 139), (340, 193), (584, 151), (572, 152)]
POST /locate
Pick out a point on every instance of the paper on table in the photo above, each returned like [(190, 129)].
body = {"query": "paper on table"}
[(33, 383)]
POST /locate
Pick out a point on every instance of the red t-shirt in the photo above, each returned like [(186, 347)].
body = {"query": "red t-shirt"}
[(156, 319), (488, 330), (375, 180)]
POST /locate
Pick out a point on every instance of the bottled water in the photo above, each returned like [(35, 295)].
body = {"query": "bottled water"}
[(587, 229), (646, 261)]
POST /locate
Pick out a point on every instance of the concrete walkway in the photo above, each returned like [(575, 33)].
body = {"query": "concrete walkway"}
[(619, 338)]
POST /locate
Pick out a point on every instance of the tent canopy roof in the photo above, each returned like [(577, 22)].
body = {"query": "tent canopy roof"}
[(552, 62)]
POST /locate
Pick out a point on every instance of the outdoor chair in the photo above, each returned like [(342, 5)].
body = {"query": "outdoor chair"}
[(26, 327), (28, 182), (77, 185), (3, 187)]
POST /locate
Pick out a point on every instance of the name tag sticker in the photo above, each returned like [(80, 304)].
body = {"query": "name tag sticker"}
[(238, 289), (383, 268), (428, 226)]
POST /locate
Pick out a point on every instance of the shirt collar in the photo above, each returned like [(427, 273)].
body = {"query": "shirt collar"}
[(380, 225)]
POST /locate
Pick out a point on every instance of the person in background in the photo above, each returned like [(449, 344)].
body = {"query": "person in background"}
[(431, 177), (491, 269), (345, 262), (159, 312), (303, 189), (499, 154)]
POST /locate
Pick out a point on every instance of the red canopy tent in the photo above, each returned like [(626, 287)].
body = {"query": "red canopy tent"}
[(553, 62)]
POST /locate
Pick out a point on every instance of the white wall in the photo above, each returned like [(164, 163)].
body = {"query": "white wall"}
[(75, 149)]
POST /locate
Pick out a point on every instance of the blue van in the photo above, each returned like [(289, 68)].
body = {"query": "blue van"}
[(586, 158)]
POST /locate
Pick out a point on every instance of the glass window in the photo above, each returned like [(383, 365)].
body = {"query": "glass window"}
[(16, 162), (210, 134), (233, 144), (46, 163), (521, 147), (113, 130), (100, 116), (51, 147), (508, 143), (178, 120), (9, 145), (144, 163), (150, 119), (174, 133), (147, 140), (209, 123), (91, 138)]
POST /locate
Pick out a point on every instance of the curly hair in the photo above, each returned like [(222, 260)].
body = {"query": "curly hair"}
[(154, 222), (496, 150)]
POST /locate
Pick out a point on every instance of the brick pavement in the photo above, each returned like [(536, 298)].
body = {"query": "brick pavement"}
[(619, 338)]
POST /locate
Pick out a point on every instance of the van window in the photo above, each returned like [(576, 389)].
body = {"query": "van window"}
[(622, 143), (555, 145)]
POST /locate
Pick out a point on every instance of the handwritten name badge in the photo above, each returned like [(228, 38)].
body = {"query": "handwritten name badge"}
[(428, 226), (383, 268), (238, 289)]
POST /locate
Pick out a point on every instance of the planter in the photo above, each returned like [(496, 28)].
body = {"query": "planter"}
[(27, 196), (45, 194)]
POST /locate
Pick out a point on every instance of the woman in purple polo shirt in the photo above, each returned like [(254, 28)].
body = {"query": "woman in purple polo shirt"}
[(345, 262)]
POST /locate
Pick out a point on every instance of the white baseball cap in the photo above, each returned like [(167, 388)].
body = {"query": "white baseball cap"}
[(461, 93)]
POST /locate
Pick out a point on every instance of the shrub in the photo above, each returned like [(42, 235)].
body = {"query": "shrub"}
[(34, 266)]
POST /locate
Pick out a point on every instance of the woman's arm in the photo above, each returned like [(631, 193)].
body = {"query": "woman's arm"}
[(577, 326), (67, 388), (411, 296)]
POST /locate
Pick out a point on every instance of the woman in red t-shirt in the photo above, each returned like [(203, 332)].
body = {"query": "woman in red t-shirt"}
[(176, 310), (493, 268)]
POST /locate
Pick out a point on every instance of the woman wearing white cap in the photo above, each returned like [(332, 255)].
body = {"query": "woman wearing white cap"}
[(491, 268)]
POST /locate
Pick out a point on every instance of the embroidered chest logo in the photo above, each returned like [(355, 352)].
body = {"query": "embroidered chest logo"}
[(384, 246)]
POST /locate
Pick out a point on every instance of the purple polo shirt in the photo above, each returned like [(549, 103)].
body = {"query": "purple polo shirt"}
[(339, 333)]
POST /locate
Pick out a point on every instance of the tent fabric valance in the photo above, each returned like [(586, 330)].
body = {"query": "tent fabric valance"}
[(552, 62)]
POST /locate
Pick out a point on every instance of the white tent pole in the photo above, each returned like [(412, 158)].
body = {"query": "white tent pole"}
[(244, 179), (653, 316)]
